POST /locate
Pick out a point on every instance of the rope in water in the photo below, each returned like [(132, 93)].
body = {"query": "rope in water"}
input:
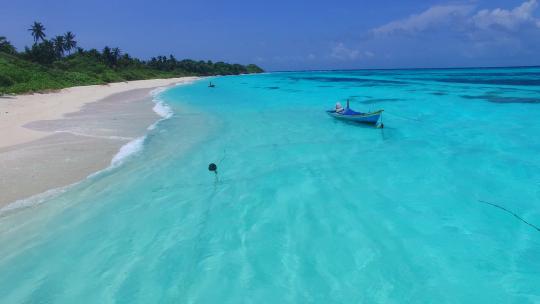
[(510, 212), (224, 156)]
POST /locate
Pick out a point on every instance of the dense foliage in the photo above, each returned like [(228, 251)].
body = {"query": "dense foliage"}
[(59, 63)]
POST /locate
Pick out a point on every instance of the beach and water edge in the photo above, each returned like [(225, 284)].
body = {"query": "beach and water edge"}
[(54, 140)]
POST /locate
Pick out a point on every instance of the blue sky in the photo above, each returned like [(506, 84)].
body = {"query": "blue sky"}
[(296, 35)]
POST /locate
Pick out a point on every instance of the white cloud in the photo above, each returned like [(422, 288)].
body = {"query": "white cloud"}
[(340, 51), (463, 17), (369, 54), (507, 19), (434, 16), (460, 34)]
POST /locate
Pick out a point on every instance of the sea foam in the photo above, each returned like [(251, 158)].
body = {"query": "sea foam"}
[(135, 146), (163, 110), (34, 199), (128, 150), (160, 107)]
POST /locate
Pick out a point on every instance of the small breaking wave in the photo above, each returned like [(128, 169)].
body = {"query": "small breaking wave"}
[(127, 150), (163, 110), (160, 107), (33, 200)]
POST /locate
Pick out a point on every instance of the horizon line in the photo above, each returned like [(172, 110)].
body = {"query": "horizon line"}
[(409, 69)]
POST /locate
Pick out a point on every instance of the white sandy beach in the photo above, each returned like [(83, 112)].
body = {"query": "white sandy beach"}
[(55, 139)]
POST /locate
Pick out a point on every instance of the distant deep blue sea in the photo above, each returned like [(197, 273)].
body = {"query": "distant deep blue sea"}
[(440, 206)]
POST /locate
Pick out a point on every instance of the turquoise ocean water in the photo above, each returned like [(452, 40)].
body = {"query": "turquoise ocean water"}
[(305, 209)]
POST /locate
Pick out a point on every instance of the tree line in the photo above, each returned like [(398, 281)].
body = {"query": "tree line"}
[(64, 48)]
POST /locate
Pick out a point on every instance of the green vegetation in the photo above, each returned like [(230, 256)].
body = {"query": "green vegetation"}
[(58, 63)]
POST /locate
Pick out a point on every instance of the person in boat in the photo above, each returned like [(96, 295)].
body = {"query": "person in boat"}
[(339, 108)]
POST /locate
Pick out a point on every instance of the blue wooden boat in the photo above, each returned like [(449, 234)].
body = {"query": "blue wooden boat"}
[(347, 114)]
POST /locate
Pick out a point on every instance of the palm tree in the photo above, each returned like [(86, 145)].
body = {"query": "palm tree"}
[(106, 55), (38, 31), (69, 41), (59, 45), (116, 52)]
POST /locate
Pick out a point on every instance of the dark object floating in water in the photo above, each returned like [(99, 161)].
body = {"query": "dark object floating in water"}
[(371, 118), (212, 167), (438, 93), (502, 99), (211, 85), (272, 88)]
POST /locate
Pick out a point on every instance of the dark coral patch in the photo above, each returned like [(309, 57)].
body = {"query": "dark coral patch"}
[(500, 81), (359, 81), (503, 99)]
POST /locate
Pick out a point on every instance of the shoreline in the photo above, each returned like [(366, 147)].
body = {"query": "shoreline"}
[(55, 140)]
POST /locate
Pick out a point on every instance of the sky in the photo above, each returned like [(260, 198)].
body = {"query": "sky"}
[(283, 35)]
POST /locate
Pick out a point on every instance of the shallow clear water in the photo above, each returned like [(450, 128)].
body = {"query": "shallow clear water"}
[(305, 208)]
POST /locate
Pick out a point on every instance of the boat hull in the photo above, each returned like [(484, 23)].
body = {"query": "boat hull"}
[(366, 118)]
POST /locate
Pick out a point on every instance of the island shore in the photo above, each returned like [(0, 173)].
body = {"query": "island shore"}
[(56, 139)]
